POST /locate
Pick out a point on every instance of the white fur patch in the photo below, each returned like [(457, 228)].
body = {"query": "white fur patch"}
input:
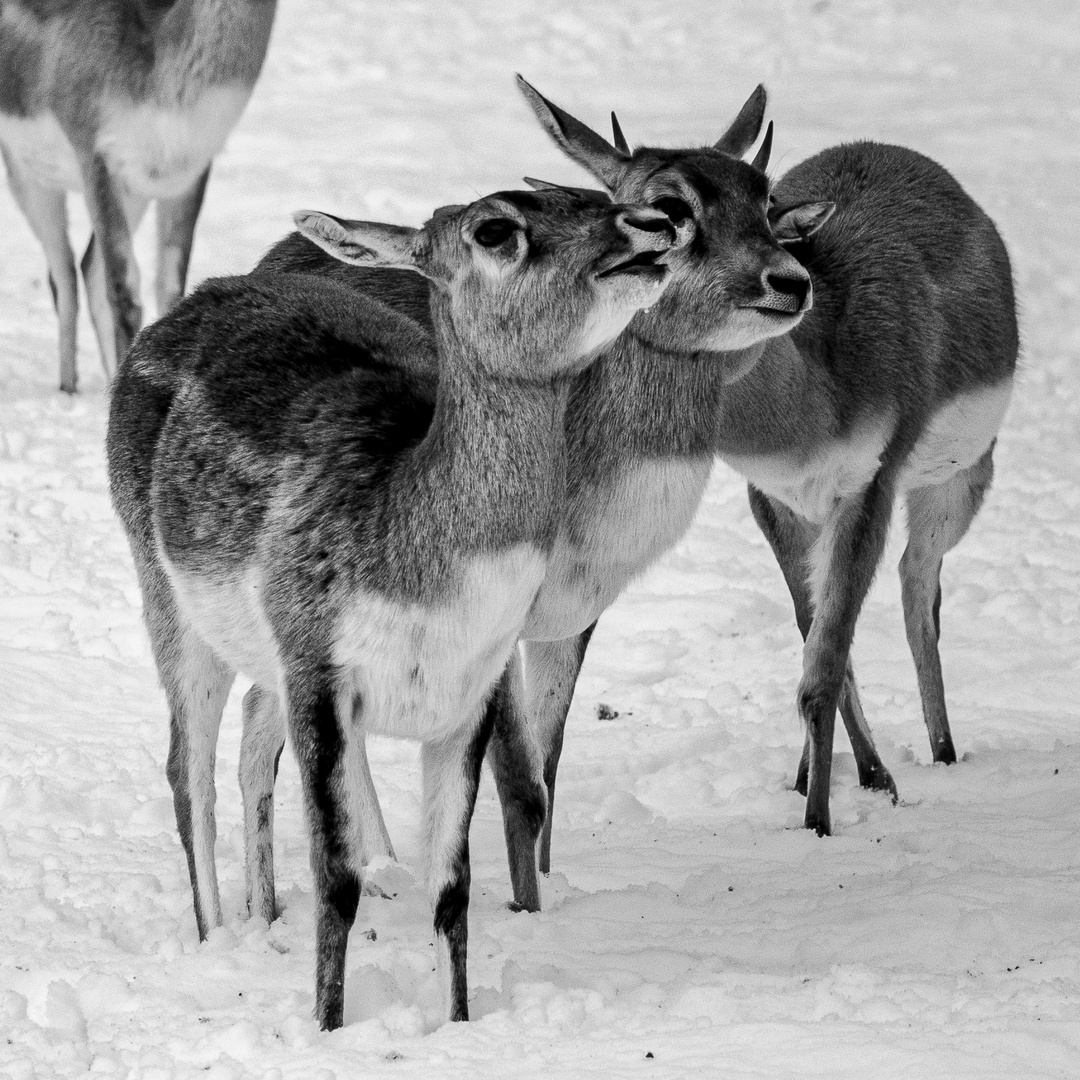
[(229, 617), (642, 515), (42, 149), (159, 151), (812, 483), (423, 672), (956, 436)]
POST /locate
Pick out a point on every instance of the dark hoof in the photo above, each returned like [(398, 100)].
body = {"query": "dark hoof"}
[(514, 905), (880, 780), (945, 754), (820, 825)]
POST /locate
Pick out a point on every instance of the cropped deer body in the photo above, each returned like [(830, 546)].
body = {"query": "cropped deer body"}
[(363, 541), (126, 101)]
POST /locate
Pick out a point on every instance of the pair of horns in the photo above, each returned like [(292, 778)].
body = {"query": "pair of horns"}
[(761, 158)]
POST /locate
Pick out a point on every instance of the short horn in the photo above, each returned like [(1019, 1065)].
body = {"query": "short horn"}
[(761, 158), (540, 185), (619, 137)]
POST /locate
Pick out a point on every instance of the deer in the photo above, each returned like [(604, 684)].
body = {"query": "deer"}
[(307, 505), (128, 102), (895, 382), (790, 351)]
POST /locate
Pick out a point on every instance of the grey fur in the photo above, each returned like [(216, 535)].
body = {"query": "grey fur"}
[(306, 503), (74, 74)]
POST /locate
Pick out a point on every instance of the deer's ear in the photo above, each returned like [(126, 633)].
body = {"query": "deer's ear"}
[(581, 143), (793, 223), (361, 243), (746, 127)]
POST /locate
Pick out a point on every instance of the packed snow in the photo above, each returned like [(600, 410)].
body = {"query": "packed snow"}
[(690, 926)]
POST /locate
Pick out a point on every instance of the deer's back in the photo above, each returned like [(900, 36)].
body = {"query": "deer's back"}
[(913, 292)]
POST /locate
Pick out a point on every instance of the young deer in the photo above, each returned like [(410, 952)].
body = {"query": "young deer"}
[(126, 101), (308, 505), (896, 382)]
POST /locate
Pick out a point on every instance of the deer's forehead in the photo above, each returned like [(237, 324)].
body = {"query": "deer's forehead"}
[(716, 177)]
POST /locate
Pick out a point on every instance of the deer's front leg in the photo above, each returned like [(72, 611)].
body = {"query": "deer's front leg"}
[(791, 539), (451, 771), (319, 740), (844, 559)]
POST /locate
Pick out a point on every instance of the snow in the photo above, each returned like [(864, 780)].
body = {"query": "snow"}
[(688, 916)]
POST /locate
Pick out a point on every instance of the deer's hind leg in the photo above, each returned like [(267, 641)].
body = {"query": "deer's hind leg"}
[(938, 517), (260, 752), (792, 539), (46, 211), (261, 744), (109, 268), (196, 684), (176, 219)]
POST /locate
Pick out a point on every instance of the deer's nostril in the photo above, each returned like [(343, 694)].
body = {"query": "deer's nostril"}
[(789, 286)]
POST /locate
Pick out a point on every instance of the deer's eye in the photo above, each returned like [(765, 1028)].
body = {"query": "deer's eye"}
[(675, 208), (494, 232)]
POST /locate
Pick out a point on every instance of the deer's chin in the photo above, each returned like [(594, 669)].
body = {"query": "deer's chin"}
[(748, 326)]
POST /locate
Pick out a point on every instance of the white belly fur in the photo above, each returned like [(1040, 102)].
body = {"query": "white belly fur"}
[(419, 672), (954, 439), (644, 514), (157, 150), (416, 672)]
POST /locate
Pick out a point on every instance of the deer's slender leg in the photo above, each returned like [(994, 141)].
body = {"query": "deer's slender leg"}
[(844, 559), (516, 764), (260, 751), (46, 211), (524, 754), (109, 268), (791, 539), (318, 737), (451, 771), (176, 219), (938, 518), (196, 685)]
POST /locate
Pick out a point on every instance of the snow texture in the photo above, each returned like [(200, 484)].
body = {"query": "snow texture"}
[(691, 927)]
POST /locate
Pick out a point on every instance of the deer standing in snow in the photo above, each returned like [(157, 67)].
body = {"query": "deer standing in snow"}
[(310, 503), (895, 382), (126, 101)]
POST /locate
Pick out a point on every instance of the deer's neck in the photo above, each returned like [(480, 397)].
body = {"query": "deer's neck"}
[(491, 469)]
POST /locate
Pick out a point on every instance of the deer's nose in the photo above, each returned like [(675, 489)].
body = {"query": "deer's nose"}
[(798, 288)]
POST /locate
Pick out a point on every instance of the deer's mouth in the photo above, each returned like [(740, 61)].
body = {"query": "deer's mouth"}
[(641, 264), (779, 307)]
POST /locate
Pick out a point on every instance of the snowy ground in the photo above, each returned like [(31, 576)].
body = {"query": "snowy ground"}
[(691, 928)]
